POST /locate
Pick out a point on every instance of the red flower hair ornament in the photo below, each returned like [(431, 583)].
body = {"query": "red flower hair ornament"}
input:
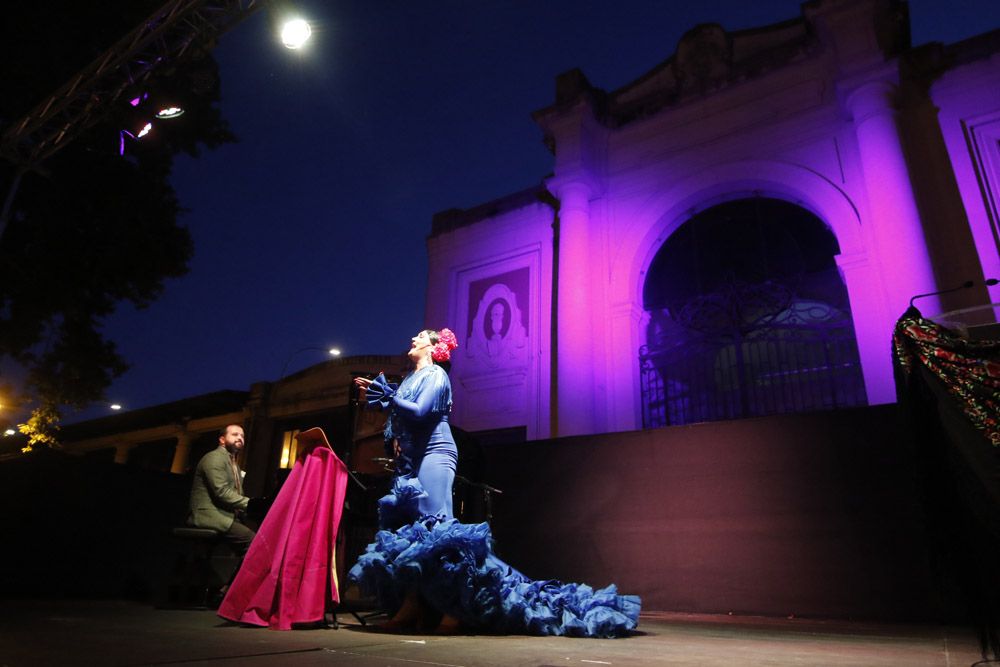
[(446, 343)]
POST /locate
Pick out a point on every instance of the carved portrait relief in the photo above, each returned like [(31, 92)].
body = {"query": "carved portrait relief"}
[(498, 337)]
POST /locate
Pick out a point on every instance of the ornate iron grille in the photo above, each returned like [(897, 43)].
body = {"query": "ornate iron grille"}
[(750, 350)]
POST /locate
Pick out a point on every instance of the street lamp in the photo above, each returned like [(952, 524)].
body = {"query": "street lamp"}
[(9, 431), (295, 33)]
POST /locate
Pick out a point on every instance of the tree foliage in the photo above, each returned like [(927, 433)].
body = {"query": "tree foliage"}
[(41, 428), (90, 229)]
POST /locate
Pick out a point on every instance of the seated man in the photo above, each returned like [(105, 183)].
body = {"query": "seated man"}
[(217, 499)]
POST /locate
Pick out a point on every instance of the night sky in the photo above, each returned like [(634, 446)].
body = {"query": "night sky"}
[(310, 231)]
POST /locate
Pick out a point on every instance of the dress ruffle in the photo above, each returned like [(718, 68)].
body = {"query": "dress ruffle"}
[(456, 571), (380, 392), (399, 506)]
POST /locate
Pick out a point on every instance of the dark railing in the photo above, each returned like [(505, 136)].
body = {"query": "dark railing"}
[(803, 358)]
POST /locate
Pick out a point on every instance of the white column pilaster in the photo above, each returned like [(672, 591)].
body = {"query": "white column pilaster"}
[(575, 370), (121, 452), (182, 451), (896, 228)]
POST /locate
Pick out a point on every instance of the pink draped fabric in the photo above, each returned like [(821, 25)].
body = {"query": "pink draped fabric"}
[(290, 571)]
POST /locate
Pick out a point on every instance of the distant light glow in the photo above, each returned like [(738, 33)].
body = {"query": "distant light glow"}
[(136, 101), (9, 432), (334, 352), (115, 406), (295, 33), (170, 112), (144, 131)]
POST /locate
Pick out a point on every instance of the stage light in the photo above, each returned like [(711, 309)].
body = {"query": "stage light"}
[(295, 33), (9, 432), (334, 352), (169, 112), (135, 121), (146, 107), (115, 406)]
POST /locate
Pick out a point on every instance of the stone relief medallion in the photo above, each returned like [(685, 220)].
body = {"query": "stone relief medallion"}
[(498, 337)]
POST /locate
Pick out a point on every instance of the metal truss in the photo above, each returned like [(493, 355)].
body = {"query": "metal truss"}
[(173, 31)]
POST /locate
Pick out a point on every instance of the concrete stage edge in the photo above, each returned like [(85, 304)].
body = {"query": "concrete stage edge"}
[(119, 634)]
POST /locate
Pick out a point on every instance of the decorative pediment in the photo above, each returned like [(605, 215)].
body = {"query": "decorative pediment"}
[(707, 59), (704, 59)]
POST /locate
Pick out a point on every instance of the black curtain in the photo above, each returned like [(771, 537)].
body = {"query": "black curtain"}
[(949, 390)]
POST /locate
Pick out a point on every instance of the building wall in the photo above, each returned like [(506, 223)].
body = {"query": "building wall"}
[(967, 101), (504, 262), (895, 151), (174, 436)]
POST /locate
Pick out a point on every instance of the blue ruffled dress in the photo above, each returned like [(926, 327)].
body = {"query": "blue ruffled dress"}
[(452, 564)]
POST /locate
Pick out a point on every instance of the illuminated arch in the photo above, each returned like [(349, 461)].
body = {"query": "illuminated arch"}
[(661, 214)]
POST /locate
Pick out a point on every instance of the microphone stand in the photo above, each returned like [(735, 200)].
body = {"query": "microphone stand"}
[(354, 476), (487, 494), (989, 282), (966, 285)]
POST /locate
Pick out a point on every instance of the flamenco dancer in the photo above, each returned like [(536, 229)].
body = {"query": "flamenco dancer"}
[(424, 565)]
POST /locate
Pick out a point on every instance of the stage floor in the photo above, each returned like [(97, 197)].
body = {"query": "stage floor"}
[(115, 633)]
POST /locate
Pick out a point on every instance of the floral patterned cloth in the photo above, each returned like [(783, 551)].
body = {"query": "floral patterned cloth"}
[(969, 370)]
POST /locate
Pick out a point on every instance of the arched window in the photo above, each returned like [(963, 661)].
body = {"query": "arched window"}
[(748, 316)]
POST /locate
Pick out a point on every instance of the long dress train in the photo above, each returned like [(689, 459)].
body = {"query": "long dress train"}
[(452, 564)]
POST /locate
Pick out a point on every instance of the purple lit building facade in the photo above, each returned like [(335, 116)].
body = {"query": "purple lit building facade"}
[(837, 170)]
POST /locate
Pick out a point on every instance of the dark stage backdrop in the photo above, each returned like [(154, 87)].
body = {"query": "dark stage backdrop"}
[(812, 515), (809, 515), (81, 527)]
